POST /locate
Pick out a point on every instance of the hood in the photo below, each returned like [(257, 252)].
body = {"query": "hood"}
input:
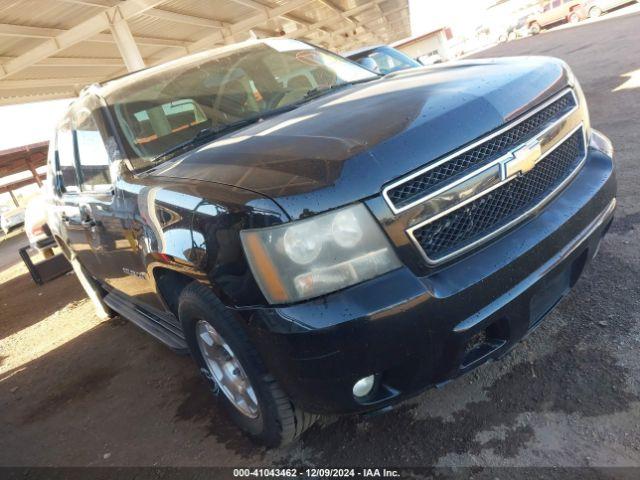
[(346, 146)]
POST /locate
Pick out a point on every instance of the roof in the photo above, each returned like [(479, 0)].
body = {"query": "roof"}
[(22, 159), (52, 48), (16, 160)]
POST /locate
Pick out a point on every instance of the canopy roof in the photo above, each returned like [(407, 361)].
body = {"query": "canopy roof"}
[(22, 159), (52, 48)]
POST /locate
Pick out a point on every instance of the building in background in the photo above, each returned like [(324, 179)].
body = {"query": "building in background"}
[(427, 47)]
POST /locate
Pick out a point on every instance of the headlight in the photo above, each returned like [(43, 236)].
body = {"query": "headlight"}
[(313, 257)]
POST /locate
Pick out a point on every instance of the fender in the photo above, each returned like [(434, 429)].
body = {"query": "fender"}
[(193, 228)]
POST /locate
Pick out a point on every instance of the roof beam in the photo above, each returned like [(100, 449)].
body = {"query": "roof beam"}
[(353, 11), (21, 183), (187, 19), (11, 30), (74, 62), (16, 99), (226, 35), (252, 4), (83, 31), (337, 10), (45, 82), (265, 9), (157, 13)]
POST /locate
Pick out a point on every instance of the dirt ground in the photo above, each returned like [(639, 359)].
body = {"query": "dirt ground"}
[(75, 391)]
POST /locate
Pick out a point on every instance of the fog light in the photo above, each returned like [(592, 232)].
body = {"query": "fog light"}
[(363, 387)]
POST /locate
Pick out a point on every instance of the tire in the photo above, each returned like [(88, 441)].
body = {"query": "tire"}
[(595, 12), (278, 421), (534, 28), (573, 17)]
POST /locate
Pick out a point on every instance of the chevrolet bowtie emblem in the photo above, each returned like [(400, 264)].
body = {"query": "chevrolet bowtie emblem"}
[(522, 159)]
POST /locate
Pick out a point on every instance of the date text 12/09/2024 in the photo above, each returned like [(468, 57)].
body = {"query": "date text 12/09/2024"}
[(315, 472)]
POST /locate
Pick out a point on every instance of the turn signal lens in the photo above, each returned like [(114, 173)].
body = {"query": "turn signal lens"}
[(601, 142)]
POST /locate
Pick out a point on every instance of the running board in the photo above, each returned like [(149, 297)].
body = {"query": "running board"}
[(147, 322)]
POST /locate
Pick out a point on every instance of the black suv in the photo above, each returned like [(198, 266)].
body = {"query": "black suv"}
[(323, 239)]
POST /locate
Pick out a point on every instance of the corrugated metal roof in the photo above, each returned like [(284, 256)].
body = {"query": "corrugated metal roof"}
[(33, 67)]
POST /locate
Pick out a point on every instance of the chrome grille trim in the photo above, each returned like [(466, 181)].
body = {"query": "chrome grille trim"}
[(477, 143), (510, 224)]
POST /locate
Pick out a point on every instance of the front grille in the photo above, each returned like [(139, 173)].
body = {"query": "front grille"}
[(487, 214), (420, 186)]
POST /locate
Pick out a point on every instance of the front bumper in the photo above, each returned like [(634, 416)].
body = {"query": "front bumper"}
[(416, 332)]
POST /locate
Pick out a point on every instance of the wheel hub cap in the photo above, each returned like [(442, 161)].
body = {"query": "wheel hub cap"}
[(226, 370)]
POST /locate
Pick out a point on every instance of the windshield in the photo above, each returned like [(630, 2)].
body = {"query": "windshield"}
[(170, 106), (384, 60)]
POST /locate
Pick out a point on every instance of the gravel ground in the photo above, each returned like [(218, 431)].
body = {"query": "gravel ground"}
[(77, 391)]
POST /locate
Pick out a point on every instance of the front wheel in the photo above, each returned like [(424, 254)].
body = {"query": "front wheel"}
[(232, 367), (573, 17)]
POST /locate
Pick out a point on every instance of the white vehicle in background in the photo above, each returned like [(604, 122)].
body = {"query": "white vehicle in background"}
[(595, 8), (35, 225), (11, 218)]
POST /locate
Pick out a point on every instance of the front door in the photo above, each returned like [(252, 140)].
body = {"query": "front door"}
[(68, 203), (107, 211)]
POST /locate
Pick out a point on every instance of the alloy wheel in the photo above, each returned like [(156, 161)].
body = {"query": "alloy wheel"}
[(226, 370)]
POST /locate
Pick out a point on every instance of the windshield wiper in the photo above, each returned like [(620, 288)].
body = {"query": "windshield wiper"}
[(211, 133)]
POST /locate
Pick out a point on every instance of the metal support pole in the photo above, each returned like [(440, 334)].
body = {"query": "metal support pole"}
[(34, 174), (13, 197), (126, 45)]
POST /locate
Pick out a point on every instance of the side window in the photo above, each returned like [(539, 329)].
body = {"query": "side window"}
[(66, 159), (555, 4), (92, 153)]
